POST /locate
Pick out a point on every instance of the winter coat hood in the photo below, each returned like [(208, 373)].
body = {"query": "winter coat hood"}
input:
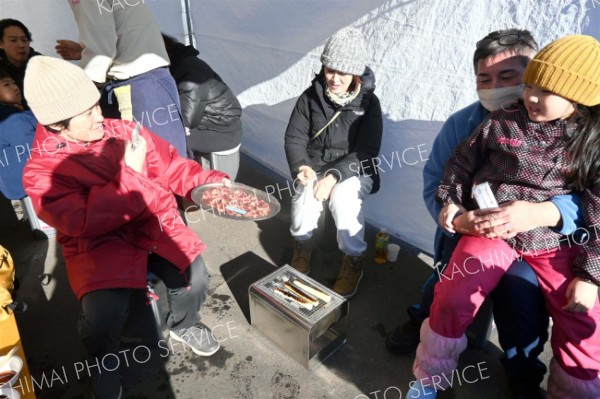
[(180, 51), (208, 106)]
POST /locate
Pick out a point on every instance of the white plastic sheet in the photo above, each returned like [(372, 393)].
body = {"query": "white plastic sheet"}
[(421, 52)]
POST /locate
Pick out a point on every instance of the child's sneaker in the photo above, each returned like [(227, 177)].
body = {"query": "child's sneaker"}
[(198, 337)]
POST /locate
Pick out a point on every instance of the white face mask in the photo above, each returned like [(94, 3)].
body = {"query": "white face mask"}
[(494, 99)]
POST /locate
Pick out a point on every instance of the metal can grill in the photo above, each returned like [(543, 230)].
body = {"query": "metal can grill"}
[(307, 335), (287, 273)]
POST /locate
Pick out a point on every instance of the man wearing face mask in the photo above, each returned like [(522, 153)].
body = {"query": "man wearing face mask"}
[(499, 60)]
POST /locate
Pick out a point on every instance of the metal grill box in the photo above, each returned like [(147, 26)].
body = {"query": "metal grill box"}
[(308, 336)]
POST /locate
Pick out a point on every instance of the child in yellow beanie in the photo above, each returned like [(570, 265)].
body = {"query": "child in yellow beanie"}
[(546, 145)]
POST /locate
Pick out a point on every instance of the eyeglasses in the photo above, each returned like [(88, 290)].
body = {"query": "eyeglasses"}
[(505, 40)]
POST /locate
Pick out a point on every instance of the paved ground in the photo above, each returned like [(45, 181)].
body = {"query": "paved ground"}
[(248, 366)]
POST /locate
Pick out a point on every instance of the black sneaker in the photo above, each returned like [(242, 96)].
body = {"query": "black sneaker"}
[(405, 338), (198, 337)]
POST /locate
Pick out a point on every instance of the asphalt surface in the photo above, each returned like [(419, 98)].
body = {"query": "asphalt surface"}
[(248, 365)]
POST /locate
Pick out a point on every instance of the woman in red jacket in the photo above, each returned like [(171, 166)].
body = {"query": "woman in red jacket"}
[(113, 207)]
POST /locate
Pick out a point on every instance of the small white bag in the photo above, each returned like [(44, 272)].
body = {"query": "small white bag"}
[(306, 210)]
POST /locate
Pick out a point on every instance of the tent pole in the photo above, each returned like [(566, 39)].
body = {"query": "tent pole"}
[(188, 26)]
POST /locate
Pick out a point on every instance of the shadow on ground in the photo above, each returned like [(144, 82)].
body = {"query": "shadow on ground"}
[(248, 366)]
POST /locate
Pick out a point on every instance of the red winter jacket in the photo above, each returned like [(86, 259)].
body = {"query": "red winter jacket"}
[(108, 217)]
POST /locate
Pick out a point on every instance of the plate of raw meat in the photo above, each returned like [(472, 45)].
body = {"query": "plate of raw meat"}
[(238, 201)]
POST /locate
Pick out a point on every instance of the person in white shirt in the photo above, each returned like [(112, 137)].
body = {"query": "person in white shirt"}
[(122, 51)]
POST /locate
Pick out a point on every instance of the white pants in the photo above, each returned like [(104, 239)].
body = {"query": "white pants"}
[(345, 203)]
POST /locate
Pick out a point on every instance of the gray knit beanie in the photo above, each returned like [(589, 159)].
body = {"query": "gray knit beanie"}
[(345, 51), (56, 90)]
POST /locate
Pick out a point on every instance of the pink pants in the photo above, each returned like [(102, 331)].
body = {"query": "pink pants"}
[(474, 270)]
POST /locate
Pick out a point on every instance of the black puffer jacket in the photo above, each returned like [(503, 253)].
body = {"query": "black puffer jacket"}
[(354, 137), (209, 108)]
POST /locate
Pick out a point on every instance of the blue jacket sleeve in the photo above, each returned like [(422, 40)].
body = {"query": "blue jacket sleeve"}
[(443, 147), (570, 212), (16, 136)]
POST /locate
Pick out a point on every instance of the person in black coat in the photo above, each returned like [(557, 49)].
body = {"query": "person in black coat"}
[(15, 50), (209, 108), (333, 136)]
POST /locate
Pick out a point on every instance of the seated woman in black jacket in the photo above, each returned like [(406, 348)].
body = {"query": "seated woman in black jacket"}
[(336, 125), (209, 108)]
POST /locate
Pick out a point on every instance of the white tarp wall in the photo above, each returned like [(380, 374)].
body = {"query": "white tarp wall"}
[(49, 20), (268, 51), (421, 53)]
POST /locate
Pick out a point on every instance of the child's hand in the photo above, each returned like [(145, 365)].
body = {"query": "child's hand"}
[(226, 182), (135, 158), (580, 295), (447, 215)]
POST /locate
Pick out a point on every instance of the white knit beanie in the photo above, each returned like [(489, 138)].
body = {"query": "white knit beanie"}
[(56, 90), (345, 52)]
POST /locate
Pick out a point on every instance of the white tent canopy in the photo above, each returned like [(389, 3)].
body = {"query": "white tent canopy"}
[(268, 51)]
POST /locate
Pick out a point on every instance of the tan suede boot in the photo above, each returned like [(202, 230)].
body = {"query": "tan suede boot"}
[(351, 272), (301, 256)]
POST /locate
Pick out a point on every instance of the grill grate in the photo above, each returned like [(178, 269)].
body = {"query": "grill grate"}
[(288, 273)]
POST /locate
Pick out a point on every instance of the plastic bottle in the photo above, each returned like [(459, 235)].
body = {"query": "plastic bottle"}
[(381, 243)]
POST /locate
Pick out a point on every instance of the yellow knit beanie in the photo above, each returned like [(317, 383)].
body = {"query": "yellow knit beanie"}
[(56, 90), (569, 67)]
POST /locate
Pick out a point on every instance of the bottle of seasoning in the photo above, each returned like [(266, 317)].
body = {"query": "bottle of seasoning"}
[(381, 244)]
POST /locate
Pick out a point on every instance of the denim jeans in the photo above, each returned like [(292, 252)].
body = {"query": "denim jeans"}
[(155, 104)]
